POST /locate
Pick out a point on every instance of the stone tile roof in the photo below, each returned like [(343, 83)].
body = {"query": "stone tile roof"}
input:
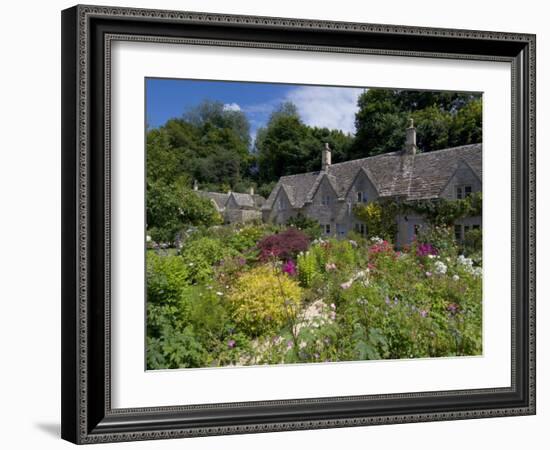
[(219, 198), (396, 174), (242, 200)]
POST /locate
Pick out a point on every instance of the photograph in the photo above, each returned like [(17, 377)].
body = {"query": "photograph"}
[(310, 224)]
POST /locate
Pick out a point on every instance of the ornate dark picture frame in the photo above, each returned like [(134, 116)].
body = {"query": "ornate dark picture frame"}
[(87, 33)]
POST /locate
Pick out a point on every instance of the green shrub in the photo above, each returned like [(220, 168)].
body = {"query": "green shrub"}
[(308, 269), (473, 240), (264, 299), (309, 226), (201, 255), (166, 278), (440, 237)]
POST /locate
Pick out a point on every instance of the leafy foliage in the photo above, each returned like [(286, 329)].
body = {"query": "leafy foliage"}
[(264, 299), (379, 218), (284, 245), (171, 207), (309, 226), (442, 119), (201, 255)]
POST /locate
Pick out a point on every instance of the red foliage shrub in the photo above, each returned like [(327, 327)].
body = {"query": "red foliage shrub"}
[(284, 245)]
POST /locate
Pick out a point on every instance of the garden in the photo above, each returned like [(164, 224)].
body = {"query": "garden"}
[(240, 295)]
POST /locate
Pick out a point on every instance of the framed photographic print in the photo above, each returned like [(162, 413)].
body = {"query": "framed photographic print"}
[(267, 222)]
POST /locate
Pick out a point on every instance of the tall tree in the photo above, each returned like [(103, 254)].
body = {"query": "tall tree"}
[(443, 119), (287, 146)]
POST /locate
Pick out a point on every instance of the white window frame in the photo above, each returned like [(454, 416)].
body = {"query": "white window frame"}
[(325, 200)]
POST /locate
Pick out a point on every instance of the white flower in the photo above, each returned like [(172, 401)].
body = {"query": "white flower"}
[(477, 271), (219, 293), (465, 261), (456, 277), (376, 240), (440, 268), (148, 238), (431, 256), (191, 264)]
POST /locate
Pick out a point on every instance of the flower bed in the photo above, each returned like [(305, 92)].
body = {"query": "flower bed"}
[(258, 295)]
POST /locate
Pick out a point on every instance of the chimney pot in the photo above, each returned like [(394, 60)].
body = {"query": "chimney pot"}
[(326, 157), (410, 141)]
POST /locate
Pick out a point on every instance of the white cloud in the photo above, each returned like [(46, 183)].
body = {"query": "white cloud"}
[(330, 107), (231, 107)]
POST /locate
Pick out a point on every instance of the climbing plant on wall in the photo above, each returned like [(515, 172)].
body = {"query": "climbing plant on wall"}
[(379, 216)]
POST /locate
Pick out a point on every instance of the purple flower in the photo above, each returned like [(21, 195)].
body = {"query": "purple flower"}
[(424, 313), (425, 250), (289, 268), (231, 343), (289, 344), (428, 274), (452, 308)]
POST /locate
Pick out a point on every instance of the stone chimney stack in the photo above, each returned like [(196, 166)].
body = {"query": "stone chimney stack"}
[(327, 157), (251, 190), (195, 185), (410, 141)]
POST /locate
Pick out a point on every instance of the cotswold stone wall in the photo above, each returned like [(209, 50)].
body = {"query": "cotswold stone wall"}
[(242, 215)]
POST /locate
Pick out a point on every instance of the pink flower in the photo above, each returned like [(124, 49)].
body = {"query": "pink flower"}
[(423, 313), (330, 266), (289, 268), (332, 306), (231, 343), (428, 274), (346, 285)]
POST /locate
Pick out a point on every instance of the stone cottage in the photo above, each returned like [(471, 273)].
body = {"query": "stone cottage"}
[(235, 207), (328, 196)]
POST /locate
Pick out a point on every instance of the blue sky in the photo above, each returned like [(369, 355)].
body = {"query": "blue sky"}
[(332, 107)]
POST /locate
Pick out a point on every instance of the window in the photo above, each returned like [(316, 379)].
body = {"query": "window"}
[(458, 232), (341, 229), (463, 191), (361, 228), (325, 200), (416, 229), (361, 197), (475, 227), (466, 229), (326, 228), (281, 203)]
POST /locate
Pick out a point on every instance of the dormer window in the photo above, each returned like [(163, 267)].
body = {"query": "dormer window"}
[(325, 200), (361, 197), (281, 203), (463, 191)]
